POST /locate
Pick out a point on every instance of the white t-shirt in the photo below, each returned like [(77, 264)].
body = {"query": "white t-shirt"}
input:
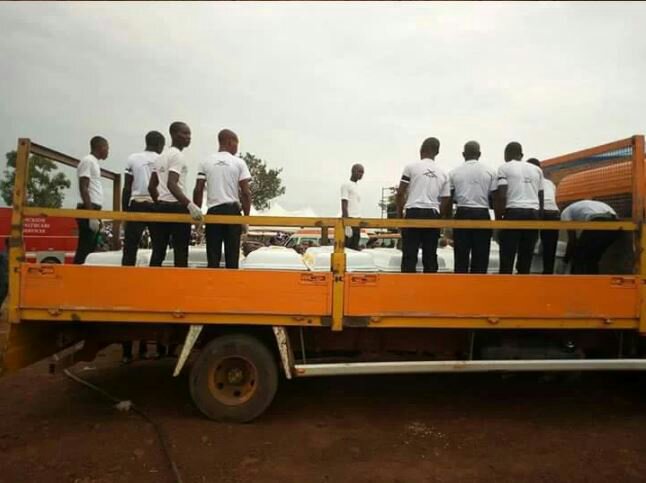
[(350, 192), (223, 172), (549, 196), (472, 183), (89, 168), (585, 210), (523, 181), (170, 160), (427, 183), (140, 167)]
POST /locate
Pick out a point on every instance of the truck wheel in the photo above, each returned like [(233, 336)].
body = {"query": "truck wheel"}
[(52, 260), (234, 379)]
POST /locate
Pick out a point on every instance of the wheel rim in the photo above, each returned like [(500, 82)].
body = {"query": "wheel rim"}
[(233, 380)]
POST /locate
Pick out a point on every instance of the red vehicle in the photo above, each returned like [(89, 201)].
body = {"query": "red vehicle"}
[(47, 239)]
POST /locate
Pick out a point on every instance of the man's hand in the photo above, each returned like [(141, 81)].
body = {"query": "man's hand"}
[(196, 212), (94, 225), (244, 229)]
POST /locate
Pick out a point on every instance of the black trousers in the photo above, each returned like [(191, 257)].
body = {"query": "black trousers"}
[(133, 231), (412, 238), (217, 234), (162, 233), (87, 238), (549, 240), (471, 247), (517, 244), (353, 241), (590, 247)]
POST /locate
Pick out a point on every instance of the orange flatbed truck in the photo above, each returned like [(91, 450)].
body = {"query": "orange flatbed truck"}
[(240, 329)]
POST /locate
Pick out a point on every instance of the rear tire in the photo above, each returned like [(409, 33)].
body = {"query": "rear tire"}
[(52, 260), (234, 379)]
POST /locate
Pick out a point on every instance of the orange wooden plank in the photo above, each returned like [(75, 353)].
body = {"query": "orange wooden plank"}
[(181, 290), (456, 295)]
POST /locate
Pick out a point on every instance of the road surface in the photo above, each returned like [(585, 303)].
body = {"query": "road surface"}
[(423, 428)]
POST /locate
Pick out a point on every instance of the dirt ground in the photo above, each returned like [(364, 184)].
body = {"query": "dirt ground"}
[(446, 428)]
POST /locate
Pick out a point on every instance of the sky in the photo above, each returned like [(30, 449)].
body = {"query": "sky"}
[(313, 88)]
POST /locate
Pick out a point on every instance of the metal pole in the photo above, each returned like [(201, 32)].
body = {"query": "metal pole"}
[(16, 246)]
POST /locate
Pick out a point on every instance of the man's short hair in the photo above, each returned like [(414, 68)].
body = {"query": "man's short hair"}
[(97, 141), (513, 150), (176, 126), (430, 145), (472, 148), (155, 138), (535, 162), (225, 135)]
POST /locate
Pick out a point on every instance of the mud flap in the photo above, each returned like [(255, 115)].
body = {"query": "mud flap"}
[(192, 336)]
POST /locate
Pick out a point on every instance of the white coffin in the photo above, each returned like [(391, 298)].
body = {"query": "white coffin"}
[(319, 259), (390, 260), (273, 258), (106, 259), (196, 257)]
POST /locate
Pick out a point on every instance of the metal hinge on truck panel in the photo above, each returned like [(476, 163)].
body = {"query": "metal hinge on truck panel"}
[(623, 282), (313, 279), (357, 279)]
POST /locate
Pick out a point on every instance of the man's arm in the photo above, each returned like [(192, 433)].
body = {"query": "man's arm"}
[(245, 196), (152, 186), (84, 189), (127, 192), (500, 201), (198, 192), (344, 208), (541, 204), (173, 187), (445, 207), (400, 200)]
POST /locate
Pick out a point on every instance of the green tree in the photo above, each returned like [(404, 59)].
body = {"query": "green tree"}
[(265, 183), (45, 186)]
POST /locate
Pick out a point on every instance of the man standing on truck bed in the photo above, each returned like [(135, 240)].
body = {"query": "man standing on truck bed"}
[(135, 195), (471, 187), (91, 191), (549, 238), (519, 197), (424, 193), (351, 205), (166, 188), (586, 250), (227, 179)]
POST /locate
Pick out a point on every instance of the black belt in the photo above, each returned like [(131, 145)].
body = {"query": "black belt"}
[(233, 203), (81, 206), (472, 208)]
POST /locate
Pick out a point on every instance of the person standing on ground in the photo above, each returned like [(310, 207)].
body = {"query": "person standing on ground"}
[(351, 205), (471, 187), (166, 188), (424, 193), (549, 238), (135, 196), (91, 191), (227, 179), (586, 251), (519, 197)]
